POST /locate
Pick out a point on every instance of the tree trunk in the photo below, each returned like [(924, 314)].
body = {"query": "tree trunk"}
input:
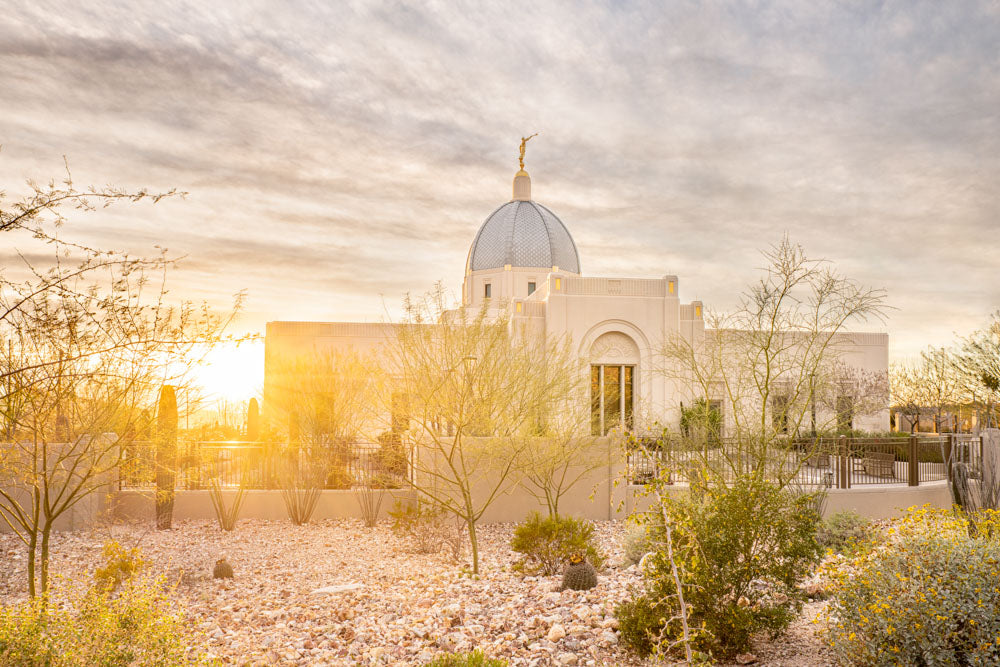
[(32, 548), (44, 560), (475, 546)]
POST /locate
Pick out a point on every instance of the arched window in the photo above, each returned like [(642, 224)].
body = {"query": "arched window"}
[(614, 363)]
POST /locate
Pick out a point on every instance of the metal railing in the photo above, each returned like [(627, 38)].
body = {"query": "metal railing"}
[(255, 465), (839, 462)]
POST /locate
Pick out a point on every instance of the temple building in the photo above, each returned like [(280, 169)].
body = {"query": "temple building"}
[(523, 258)]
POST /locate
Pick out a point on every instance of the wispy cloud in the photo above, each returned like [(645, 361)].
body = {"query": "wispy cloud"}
[(336, 153)]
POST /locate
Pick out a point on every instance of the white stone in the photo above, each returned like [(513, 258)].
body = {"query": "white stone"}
[(341, 588)]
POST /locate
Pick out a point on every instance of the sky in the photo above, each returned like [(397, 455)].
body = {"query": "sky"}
[(337, 155)]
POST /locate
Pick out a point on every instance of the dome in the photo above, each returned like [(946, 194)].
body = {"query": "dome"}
[(523, 234)]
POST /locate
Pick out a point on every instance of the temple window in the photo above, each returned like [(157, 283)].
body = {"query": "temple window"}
[(612, 398)]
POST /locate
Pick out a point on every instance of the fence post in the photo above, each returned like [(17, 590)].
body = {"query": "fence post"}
[(982, 463), (844, 464), (914, 459), (948, 450)]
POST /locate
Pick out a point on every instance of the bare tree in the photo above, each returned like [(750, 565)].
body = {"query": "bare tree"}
[(910, 395), (977, 361), (772, 363), (932, 383), (88, 338), (474, 383)]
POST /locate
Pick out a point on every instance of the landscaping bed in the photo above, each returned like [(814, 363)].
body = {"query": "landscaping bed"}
[(389, 606)]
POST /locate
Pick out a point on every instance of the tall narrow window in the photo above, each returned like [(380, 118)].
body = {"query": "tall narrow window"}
[(487, 290), (627, 395), (531, 288), (612, 396), (595, 400)]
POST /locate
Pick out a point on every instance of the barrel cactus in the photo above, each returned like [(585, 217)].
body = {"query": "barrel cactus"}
[(223, 570), (579, 575)]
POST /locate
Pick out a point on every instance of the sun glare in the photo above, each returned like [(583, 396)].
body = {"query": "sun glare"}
[(232, 372)]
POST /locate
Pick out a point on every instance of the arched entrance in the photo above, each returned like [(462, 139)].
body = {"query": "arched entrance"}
[(614, 363)]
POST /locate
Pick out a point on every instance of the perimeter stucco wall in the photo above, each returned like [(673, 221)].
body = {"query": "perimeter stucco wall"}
[(257, 504), (88, 513), (594, 498)]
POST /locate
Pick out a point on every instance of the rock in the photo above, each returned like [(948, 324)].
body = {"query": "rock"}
[(746, 659), (333, 590), (556, 632), (566, 659)]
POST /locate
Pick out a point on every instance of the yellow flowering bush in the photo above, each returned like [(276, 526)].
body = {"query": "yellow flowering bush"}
[(929, 595), (123, 619)]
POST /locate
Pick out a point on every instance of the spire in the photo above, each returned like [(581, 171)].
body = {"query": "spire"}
[(522, 182)]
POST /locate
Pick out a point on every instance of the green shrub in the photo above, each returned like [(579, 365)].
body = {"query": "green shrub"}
[(844, 532), (138, 625), (474, 659), (928, 596), (741, 551), (639, 623), (548, 542)]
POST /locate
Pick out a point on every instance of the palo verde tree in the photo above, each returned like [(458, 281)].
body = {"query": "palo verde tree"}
[(474, 383), (773, 362), (559, 453), (88, 337)]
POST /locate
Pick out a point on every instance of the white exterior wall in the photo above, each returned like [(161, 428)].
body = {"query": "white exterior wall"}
[(645, 310), (507, 283), (581, 309)]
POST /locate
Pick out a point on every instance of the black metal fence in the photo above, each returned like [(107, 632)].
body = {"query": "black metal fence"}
[(254, 465), (827, 462)]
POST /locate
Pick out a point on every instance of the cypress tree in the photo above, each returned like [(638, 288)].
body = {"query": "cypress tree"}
[(253, 420)]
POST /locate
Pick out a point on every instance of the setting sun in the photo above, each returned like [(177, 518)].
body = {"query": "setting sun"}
[(231, 372)]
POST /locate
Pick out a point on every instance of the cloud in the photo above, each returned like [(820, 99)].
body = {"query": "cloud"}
[(340, 154)]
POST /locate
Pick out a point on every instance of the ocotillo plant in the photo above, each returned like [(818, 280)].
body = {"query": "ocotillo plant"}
[(253, 420), (166, 457)]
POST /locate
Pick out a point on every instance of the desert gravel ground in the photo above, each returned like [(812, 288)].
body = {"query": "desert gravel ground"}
[(395, 607)]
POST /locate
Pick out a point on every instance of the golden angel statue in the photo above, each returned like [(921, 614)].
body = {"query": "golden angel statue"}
[(524, 140)]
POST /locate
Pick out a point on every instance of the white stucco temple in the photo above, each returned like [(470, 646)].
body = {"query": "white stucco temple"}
[(524, 258)]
